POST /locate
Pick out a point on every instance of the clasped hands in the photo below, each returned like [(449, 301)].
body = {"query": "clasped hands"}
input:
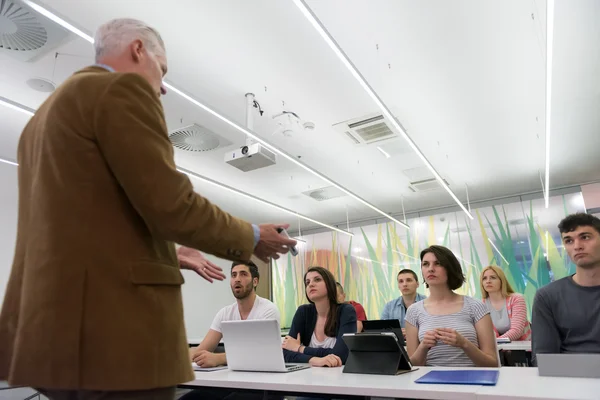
[(330, 360), (447, 336), (206, 359)]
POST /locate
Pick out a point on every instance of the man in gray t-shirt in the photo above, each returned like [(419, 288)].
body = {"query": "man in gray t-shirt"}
[(566, 313)]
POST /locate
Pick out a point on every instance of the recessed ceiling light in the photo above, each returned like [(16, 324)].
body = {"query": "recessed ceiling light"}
[(41, 85), (385, 153)]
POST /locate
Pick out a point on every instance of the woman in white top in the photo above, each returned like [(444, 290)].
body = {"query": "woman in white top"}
[(448, 329)]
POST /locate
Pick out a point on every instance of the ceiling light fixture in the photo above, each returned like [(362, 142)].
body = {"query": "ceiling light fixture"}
[(495, 248), (312, 18), (231, 123), (20, 107), (385, 153), (16, 106), (549, 41)]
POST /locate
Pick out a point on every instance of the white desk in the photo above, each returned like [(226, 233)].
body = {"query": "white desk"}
[(332, 381), (523, 346), (525, 384), (513, 384)]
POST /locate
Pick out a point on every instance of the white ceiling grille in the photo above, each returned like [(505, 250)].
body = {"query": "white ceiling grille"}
[(370, 129), (325, 193), (19, 28), (197, 138), (25, 35), (425, 185)]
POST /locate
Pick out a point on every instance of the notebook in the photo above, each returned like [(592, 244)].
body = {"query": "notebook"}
[(200, 369), (461, 377)]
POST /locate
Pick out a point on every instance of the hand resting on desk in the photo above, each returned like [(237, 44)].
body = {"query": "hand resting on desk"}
[(206, 359), (330, 360)]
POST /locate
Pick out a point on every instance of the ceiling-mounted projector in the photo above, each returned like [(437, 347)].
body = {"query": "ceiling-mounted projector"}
[(251, 157)]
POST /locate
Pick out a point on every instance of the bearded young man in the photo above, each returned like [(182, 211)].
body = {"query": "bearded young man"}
[(248, 305), (565, 315)]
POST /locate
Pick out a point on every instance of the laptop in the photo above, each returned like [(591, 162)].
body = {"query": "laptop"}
[(255, 345), (385, 325), (572, 365)]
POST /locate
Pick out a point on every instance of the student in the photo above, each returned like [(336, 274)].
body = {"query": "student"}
[(447, 329), (317, 328), (361, 315), (408, 282), (507, 308), (248, 305), (565, 314)]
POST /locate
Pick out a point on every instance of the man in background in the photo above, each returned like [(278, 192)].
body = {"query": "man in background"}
[(248, 306), (566, 312), (360, 311), (93, 305), (408, 282)]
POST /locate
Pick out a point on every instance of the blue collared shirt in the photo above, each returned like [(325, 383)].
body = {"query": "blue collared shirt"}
[(396, 309), (255, 228)]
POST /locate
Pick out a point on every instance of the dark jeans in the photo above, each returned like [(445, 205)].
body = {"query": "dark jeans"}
[(226, 394)]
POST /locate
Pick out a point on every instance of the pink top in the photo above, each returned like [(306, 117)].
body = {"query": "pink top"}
[(517, 313)]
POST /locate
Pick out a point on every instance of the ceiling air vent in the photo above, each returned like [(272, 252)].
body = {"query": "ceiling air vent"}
[(370, 129), (24, 34), (425, 185), (196, 138), (325, 193)]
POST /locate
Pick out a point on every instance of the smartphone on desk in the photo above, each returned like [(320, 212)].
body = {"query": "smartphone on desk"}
[(283, 232)]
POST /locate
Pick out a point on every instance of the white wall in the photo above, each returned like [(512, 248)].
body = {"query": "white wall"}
[(8, 221), (201, 299)]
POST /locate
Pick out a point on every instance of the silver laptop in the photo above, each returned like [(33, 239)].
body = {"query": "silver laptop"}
[(569, 365), (255, 345)]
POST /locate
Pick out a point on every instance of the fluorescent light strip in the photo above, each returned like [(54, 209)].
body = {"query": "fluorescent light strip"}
[(385, 153), (549, 41), (312, 18), (258, 199), (16, 106), (9, 162), (20, 107), (494, 246), (240, 128)]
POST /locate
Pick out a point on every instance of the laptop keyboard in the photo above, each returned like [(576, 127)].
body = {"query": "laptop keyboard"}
[(291, 367)]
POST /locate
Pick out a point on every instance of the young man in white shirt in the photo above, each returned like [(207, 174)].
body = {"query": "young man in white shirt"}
[(248, 305)]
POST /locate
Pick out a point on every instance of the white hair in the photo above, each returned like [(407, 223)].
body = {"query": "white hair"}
[(115, 35)]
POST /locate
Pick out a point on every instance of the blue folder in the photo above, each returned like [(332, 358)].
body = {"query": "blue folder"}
[(461, 377)]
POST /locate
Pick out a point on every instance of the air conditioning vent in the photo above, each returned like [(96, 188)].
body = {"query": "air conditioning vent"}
[(197, 138), (24, 34), (325, 193), (425, 185), (370, 129)]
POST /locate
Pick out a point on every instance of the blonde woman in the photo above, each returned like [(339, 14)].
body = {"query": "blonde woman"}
[(507, 308)]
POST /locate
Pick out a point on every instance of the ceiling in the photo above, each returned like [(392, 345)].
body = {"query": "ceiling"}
[(465, 78)]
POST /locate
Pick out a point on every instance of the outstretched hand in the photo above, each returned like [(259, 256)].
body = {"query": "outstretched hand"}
[(272, 243), (194, 260)]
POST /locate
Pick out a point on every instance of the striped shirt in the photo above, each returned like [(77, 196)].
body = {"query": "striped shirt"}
[(463, 321)]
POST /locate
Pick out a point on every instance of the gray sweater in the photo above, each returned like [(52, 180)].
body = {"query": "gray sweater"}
[(566, 318)]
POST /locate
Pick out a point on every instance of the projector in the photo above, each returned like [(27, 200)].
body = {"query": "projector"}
[(251, 157)]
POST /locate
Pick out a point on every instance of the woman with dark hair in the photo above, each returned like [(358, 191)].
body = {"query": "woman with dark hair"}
[(316, 333), (447, 329)]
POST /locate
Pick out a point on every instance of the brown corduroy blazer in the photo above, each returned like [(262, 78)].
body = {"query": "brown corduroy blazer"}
[(94, 296)]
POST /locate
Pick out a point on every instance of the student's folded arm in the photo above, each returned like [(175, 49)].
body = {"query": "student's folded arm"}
[(347, 325), (132, 136), (518, 320), (545, 336)]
